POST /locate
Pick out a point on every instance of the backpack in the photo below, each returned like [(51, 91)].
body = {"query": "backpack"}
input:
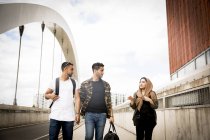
[(57, 88), (111, 135)]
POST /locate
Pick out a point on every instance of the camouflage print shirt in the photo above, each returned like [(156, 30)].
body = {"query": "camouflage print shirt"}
[(86, 94)]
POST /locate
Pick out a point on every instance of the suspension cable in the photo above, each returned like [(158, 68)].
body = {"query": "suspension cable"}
[(21, 29), (40, 64), (61, 49), (54, 32)]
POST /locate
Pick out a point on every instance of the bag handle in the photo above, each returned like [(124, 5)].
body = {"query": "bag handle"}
[(113, 127)]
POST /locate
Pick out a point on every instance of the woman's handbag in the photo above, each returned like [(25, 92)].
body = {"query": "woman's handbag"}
[(111, 135)]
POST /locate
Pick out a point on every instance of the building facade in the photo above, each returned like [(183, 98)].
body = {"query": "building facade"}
[(188, 36)]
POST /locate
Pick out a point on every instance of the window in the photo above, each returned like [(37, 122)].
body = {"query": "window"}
[(190, 67), (208, 56), (181, 72), (200, 61)]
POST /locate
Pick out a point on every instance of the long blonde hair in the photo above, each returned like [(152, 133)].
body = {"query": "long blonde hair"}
[(149, 86)]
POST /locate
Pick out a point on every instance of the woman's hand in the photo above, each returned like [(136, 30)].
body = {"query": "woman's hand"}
[(130, 98), (147, 99)]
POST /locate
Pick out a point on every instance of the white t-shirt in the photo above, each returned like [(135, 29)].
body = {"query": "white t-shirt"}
[(63, 108)]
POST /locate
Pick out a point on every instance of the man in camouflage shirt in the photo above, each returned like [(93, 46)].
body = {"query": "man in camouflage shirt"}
[(96, 103)]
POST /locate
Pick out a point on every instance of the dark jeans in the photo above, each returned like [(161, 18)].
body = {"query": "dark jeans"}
[(67, 129), (95, 121), (144, 130)]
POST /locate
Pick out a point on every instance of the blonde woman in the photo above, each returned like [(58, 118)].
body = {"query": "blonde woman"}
[(144, 102)]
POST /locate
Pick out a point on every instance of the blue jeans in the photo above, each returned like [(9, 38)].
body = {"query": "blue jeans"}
[(67, 129), (95, 121)]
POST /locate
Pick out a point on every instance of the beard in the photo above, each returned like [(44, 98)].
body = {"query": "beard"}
[(69, 74)]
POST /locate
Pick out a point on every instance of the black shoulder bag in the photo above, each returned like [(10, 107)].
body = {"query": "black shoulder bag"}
[(111, 135)]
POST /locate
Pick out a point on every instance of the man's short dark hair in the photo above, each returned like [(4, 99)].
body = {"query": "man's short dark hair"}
[(96, 66), (65, 64)]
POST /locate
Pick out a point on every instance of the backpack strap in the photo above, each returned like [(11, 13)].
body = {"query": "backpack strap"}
[(57, 86), (56, 89), (74, 85)]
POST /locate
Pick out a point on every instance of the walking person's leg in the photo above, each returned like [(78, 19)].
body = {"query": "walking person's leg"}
[(100, 124), (54, 129), (139, 130), (67, 129), (148, 132), (89, 125)]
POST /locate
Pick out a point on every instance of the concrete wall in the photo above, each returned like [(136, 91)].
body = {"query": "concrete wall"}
[(16, 115), (189, 123)]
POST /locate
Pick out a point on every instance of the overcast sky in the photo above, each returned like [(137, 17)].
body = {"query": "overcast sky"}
[(128, 36)]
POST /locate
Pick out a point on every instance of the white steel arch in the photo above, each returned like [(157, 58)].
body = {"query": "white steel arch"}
[(16, 14)]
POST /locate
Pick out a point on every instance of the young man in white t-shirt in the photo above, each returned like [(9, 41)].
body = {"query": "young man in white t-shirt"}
[(63, 113)]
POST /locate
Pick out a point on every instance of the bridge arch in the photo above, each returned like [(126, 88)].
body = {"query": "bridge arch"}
[(16, 14)]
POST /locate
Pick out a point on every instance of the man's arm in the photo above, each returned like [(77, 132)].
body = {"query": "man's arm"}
[(82, 93), (50, 95), (77, 105), (110, 110)]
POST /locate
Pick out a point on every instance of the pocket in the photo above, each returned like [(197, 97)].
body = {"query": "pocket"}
[(102, 119)]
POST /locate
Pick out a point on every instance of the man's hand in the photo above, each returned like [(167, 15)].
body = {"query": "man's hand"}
[(77, 118), (54, 97), (111, 119)]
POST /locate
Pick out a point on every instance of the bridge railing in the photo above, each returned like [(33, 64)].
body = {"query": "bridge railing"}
[(17, 115)]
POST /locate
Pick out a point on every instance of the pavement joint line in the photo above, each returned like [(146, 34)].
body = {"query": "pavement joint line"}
[(125, 129), (78, 126), (41, 137)]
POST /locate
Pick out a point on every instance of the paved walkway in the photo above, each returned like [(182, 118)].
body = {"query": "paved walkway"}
[(79, 133)]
